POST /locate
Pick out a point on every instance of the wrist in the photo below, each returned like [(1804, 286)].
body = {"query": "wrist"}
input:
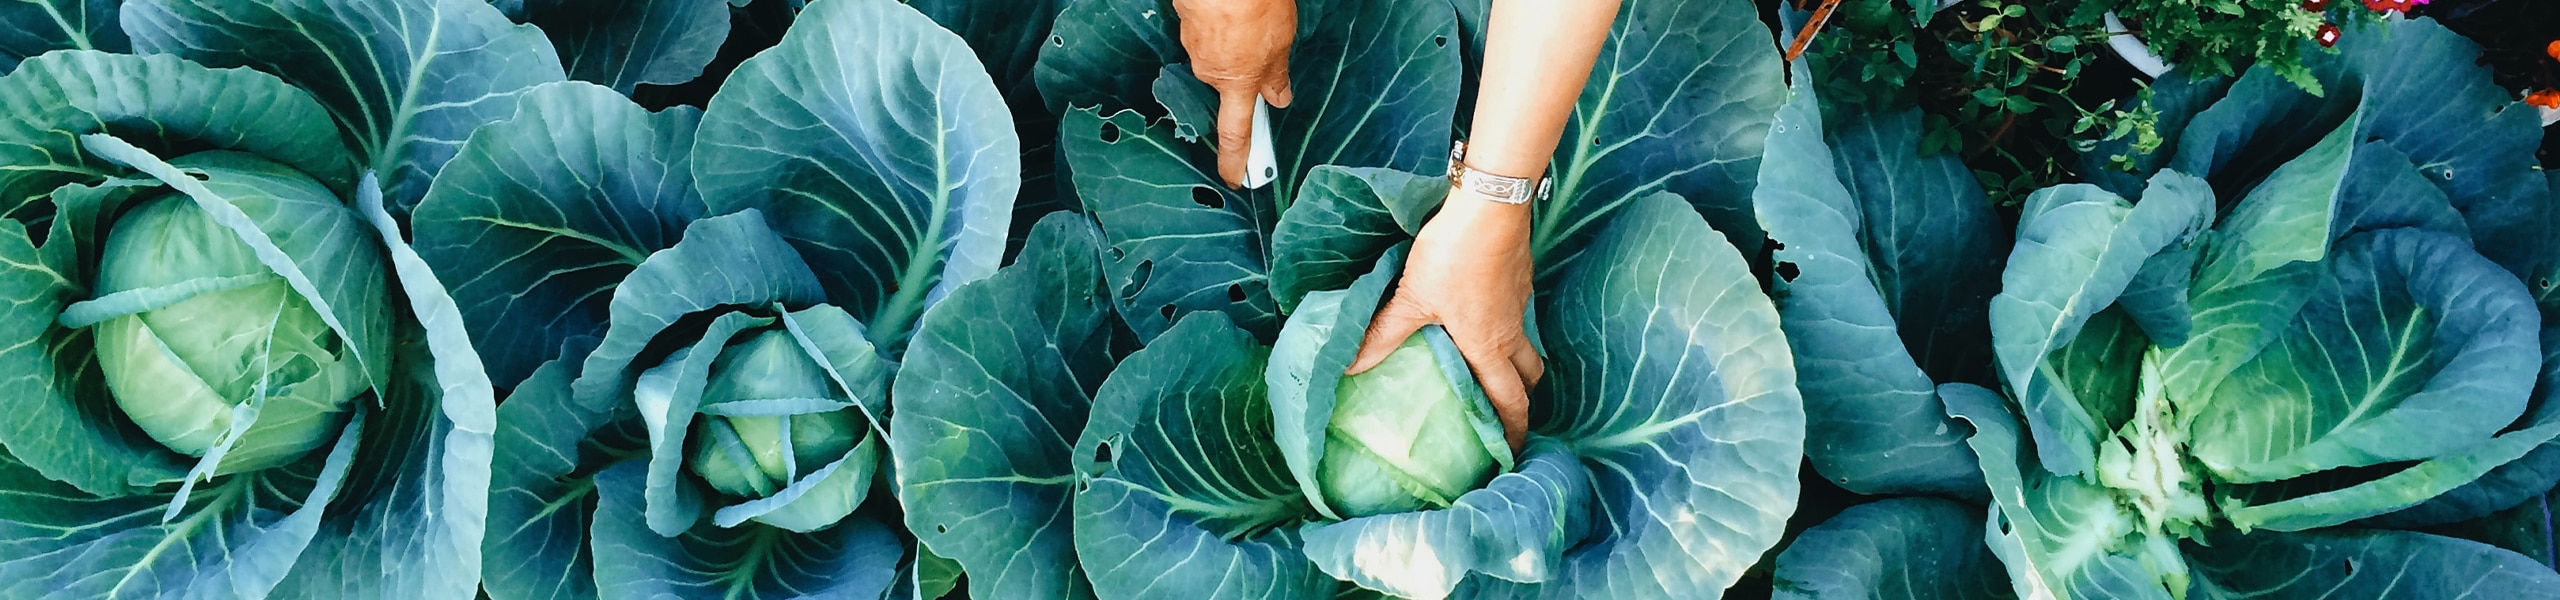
[(1484, 225), (1470, 205)]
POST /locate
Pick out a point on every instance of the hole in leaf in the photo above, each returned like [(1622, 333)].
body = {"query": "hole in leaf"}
[(1058, 41), (1235, 293), (2544, 283), (1789, 272), (1777, 246), (1110, 133), (2004, 527), (1202, 195), (2349, 565), (1439, 41), (1166, 310), (942, 529), (1102, 452), (1113, 252), (1138, 279)]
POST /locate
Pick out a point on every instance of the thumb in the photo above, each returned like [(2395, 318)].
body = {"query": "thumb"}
[(1276, 90), (1387, 330), (1235, 133)]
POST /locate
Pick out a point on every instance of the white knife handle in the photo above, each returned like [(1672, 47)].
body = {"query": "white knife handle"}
[(1260, 164)]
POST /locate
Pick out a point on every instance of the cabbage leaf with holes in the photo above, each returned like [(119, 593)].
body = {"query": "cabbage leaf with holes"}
[(1104, 410), (1208, 464)]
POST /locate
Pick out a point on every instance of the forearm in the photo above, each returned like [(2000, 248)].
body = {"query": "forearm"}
[(1194, 8), (1537, 55)]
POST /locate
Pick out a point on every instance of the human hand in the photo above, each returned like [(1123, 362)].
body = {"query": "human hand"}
[(1469, 272), (1241, 48)]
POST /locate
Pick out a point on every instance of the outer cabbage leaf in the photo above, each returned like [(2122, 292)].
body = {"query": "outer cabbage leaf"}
[(1516, 528), (1908, 548), (989, 410), (235, 538), (854, 559), (2525, 528), (2405, 331), (1346, 218), (1176, 248), (902, 192), (1008, 37), (436, 435), (1105, 54), (1885, 259), (32, 27), (541, 498), (729, 260), (540, 216), (2256, 268), (1672, 383), (2363, 564), (2525, 478), (408, 80), (1680, 101), (624, 45), (1378, 88), (2419, 88), (1185, 500), (57, 98)]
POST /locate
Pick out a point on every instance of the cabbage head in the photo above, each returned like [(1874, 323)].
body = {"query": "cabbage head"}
[(698, 310), (185, 369), (770, 416), (1409, 434), (227, 371)]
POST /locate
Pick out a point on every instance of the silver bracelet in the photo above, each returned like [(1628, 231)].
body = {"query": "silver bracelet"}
[(1498, 188)]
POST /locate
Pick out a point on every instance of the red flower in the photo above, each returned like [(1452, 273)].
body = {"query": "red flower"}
[(2328, 35), (2315, 5), (2553, 50), (2387, 5), (2543, 98)]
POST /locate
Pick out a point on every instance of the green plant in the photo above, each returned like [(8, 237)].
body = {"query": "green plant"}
[(231, 374), (1176, 382), (1998, 82), (699, 311), (2250, 368)]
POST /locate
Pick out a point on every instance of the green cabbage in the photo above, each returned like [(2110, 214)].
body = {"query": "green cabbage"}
[(757, 456), (180, 370), (1402, 438)]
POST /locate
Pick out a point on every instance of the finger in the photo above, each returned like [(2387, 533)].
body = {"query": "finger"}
[(1525, 359), (1394, 323), (1276, 90), (1510, 396), (1235, 134)]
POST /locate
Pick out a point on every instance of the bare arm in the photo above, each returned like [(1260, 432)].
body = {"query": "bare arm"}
[(1470, 267)]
